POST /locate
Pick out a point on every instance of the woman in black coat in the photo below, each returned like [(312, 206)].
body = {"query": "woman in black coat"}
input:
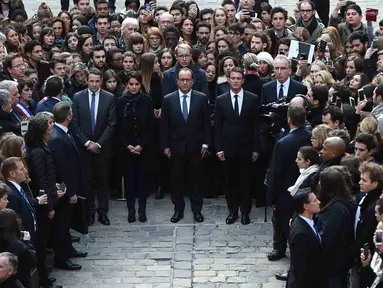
[(14, 241), (252, 82), (43, 178), (135, 120)]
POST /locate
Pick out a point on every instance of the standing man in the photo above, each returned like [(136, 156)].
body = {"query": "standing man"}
[(68, 170), (54, 88), (94, 117), (282, 175), (237, 141), (307, 262), (11, 86), (184, 137)]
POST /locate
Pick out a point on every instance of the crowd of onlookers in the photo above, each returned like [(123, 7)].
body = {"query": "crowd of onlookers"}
[(175, 99)]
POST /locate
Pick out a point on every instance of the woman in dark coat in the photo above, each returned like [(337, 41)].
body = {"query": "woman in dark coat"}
[(43, 177), (252, 82), (135, 120), (18, 243)]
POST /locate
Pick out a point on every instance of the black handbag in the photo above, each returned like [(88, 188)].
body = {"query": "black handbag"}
[(80, 216)]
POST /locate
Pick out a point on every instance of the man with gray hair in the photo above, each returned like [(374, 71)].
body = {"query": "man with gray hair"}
[(128, 27), (166, 20), (6, 123), (8, 269), (282, 86), (11, 86)]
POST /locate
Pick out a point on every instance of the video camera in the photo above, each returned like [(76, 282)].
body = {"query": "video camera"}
[(274, 117)]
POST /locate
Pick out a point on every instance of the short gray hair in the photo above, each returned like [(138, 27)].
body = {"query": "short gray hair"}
[(127, 21), (4, 97), (7, 84), (45, 115), (250, 61), (12, 260), (2, 37), (283, 57), (166, 14)]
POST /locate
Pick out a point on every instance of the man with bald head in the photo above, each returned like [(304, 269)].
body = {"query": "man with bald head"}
[(333, 150)]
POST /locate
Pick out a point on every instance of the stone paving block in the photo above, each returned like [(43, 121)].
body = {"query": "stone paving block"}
[(182, 273), (179, 282)]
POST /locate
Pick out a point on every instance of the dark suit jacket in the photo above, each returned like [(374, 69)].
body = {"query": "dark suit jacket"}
[(236, 134), (169, 82), (284, 171), (17, 204), (307, 267), (180, 135), (68, 164), (269, 91), (105, 124)]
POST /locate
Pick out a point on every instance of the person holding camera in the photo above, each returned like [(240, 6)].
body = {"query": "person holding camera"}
[(371, 273)]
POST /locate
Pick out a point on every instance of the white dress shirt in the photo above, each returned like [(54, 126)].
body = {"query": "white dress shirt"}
[(311, 224), (286, 86), (97, 100), (240, 100), (18, 187), (65, 129), (357, 216), (187, 100)]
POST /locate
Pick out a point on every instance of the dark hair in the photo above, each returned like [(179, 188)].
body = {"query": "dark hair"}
[(21, 83), (278, 10), (320, 93), (358, 35), (134, 75), (166, 50), (97, 48), (4, 189), (341, 133), (9, 228), (111, 52), (227, 2), (36, 130), (61, 111), (205, 11), (172, 29), (381, 22), (46, 31), (332, 185), (67, 37), (352, 163), (203, 24), (30, 45), (236, 70), (375, 171), (366, 139), (297, 115), (53, 86), (309, 153), (237, 27), (101, 16), (379, 203), (9, 165), (265, 6), (178, 7), (379, 91), (335, 113), (94, 71), (19, 12), (301, 198), (221, 64), (368, 90), (354, 7), (108, 74), (358, 62), (64, 32)]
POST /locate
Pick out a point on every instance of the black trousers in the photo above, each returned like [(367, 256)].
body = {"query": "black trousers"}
[(62, 242), (96, 182), (136, 182), (281, 228), (238, 183), (324, 12), (192, 161)]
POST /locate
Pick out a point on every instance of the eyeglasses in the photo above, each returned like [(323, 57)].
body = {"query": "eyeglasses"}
[(18, 65), (184, 56)]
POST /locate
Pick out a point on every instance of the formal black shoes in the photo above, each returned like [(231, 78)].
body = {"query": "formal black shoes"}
[(142, 217), (75, 239), (67, 265), (245, 219), (78, 254), (104, 220), (198, 217), (177, 216), (231, 218), (91, 220), (276, 255), (132, 215), (282, 276)]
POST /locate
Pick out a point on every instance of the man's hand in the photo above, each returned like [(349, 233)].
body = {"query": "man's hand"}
[(193, 13), (131, 149), (338, 6), (42, 200), (365, 261), (254, 156), (138, 149), (73, 199), (51, 214), (360, 106), (370, 51), (60, 193), (221, 156), (243, 15), (204, 152), (167, 153), (93, 148)]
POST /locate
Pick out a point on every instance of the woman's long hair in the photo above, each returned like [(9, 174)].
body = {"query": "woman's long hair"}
[(147, 63), (9, 228), (35, 134)]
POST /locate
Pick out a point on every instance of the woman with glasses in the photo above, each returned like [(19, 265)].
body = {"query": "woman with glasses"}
[(154, 40), (114, 59)]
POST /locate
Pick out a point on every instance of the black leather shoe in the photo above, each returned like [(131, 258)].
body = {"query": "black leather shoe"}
[(54, 286), (276, 255), (78, 254), (91, 220), (159, 193), (67, 265), (245, 219), (231, 218), (132, 216), (282, 275), (52, 279), (104, 220), (198, 217), (177, 216), (142, 217), (75, 239)]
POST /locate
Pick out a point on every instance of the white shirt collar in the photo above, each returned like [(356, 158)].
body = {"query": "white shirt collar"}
[(181, 94), (91, 92), (309, 221), (285, 85), (240, 93), (65, 129), (18, 187)]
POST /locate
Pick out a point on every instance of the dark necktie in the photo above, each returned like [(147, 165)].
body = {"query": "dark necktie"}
[(280, 92), (317, 234), (185, 112), (71, 139), (236, 107), (22, 192), (93, 112)]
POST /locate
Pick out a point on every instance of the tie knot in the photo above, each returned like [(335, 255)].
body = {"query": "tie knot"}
[(281, 86), (185, 96), (93, 94), (235, 96)]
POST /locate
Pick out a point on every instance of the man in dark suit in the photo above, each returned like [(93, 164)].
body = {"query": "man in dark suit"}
[(283, 174), (94, 118), (68, 171), (184, 137), (237, 141), (307, 262), (283, 86), (184, 60), (53, 91)]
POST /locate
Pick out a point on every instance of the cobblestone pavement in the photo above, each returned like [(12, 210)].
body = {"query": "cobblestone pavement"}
[(160, 254)]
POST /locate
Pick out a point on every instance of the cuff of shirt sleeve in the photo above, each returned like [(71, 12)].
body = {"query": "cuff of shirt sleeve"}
[(205, 146)]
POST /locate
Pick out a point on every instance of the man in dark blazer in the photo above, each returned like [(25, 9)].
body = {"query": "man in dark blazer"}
[(68, 171), (237, 141), (20, 201), (307, 262), (53, 91), (283, 86), (184, 60), (283, 173), (94, 118), (185, 138)]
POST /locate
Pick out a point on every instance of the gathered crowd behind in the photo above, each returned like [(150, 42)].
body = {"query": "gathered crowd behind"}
[(98, 104)]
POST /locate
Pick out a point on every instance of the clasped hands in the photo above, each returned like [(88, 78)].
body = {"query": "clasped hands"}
[(93, 148), (135, 149)]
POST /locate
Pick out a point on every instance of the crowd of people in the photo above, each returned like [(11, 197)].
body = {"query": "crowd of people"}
[(99, 105)]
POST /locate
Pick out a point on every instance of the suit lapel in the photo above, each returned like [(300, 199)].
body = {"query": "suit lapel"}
[(86, 106), (290, 93), (66, 137), (101, 105), (177, 105), (192, 105), (245, 103)]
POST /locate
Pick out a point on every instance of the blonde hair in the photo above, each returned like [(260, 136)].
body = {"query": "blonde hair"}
[(326, 76), (321, 133), (250, 61)]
